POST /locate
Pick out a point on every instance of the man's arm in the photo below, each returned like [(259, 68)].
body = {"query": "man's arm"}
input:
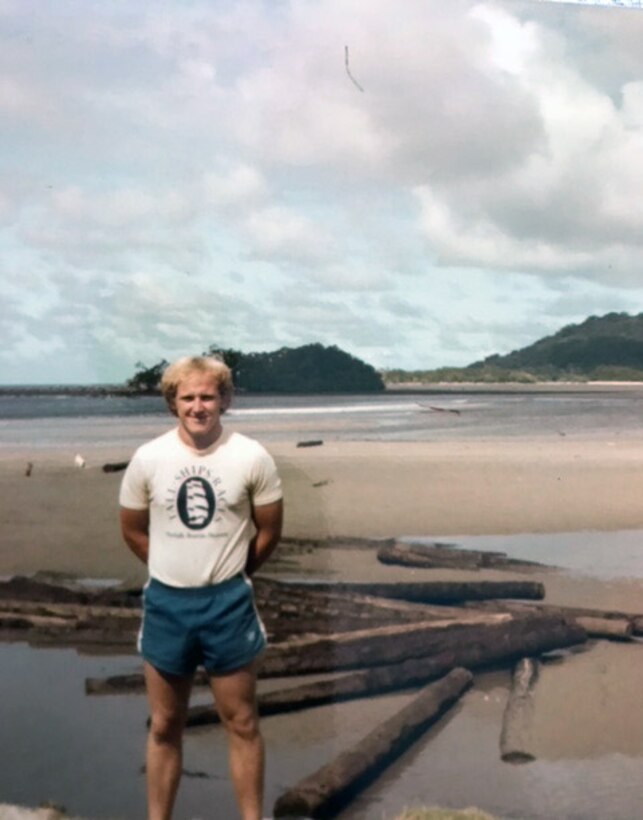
[(135, 527), (267, 519)]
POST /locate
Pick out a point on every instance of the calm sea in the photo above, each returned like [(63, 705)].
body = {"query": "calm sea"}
[(68, 421)]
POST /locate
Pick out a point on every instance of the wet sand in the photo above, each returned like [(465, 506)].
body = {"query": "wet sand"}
[(64, 519)]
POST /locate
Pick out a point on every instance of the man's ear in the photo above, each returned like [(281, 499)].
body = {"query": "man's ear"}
[(226, 400)]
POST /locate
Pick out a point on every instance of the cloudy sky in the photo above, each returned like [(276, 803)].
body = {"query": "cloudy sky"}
[(179, 174)]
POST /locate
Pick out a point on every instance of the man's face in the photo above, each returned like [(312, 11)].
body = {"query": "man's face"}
[(198, 406)]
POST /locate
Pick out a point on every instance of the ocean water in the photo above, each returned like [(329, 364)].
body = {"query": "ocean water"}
[(605, 556), (70, 421)]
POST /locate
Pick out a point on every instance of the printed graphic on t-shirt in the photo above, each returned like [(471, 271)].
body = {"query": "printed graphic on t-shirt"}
[(196, 503), (195, 498)]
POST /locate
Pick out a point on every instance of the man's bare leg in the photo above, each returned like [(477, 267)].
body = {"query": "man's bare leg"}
[(168, 697), (235, 697)]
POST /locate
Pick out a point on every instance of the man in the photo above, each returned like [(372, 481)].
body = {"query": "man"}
[(203, 509)]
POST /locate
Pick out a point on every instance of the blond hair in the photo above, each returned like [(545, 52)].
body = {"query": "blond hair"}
[(188, 365)]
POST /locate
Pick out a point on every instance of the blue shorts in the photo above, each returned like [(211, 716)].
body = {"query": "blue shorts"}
[(216, 627)]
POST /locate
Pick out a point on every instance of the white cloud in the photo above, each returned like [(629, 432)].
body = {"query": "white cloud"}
[(178, 175), (279, 232), (569, 205), (239, 186)]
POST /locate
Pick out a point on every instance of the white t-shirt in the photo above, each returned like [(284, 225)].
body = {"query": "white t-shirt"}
[(200, 504)]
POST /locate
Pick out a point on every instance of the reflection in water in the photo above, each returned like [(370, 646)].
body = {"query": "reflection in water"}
[(457, 764), (61, 745)]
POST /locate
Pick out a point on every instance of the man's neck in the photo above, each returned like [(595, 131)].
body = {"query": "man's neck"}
[(200, 442)]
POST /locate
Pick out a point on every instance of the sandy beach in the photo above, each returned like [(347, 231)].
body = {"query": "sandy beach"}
[(64, 519)]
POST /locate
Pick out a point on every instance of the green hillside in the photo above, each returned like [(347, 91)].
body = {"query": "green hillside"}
[(602, 348)]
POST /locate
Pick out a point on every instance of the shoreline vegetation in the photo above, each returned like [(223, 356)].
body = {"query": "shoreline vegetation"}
[(600, 350)]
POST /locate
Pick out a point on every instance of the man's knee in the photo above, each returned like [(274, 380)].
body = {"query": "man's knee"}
[(166, 727), (242, 722)]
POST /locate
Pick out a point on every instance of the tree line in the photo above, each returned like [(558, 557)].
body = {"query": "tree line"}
[(310, 368)]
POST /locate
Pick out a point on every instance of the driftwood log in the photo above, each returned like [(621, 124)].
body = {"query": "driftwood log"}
[(620, 626), (503, 643), (518, 716), (612, 629), (71, 612), (115, 467), (34, 589), (476, 646), (324, 792), (436, 592), (129, 684), (111, 618), (431, 556)]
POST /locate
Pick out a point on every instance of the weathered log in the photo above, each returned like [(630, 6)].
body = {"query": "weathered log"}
[(346, 650), (481, 645), (69, 624), (609, 628), (324, 792), (436, 592), (432, 408), (374, 647), (31, 589), (619, 626), (73, 611), (281, 607), (115, 467), (279, 617), (518, 716), (445, 555), (520, 638), (310, 443), (21, 588), (17, 620), (132, 683), (351, 542), (395, 644)]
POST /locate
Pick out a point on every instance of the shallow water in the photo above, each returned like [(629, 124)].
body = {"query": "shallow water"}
[(86, 752), (49, 422), (457, 764), (605, 556)]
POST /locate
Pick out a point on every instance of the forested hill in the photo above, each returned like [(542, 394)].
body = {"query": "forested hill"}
[(601, 347), (605, 348), (311, 368)]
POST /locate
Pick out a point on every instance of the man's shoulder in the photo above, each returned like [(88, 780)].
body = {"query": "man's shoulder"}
[(158, 446), (244, 444)]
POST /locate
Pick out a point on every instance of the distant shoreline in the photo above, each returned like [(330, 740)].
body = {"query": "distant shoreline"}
[(407, 388), (402, 388)]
